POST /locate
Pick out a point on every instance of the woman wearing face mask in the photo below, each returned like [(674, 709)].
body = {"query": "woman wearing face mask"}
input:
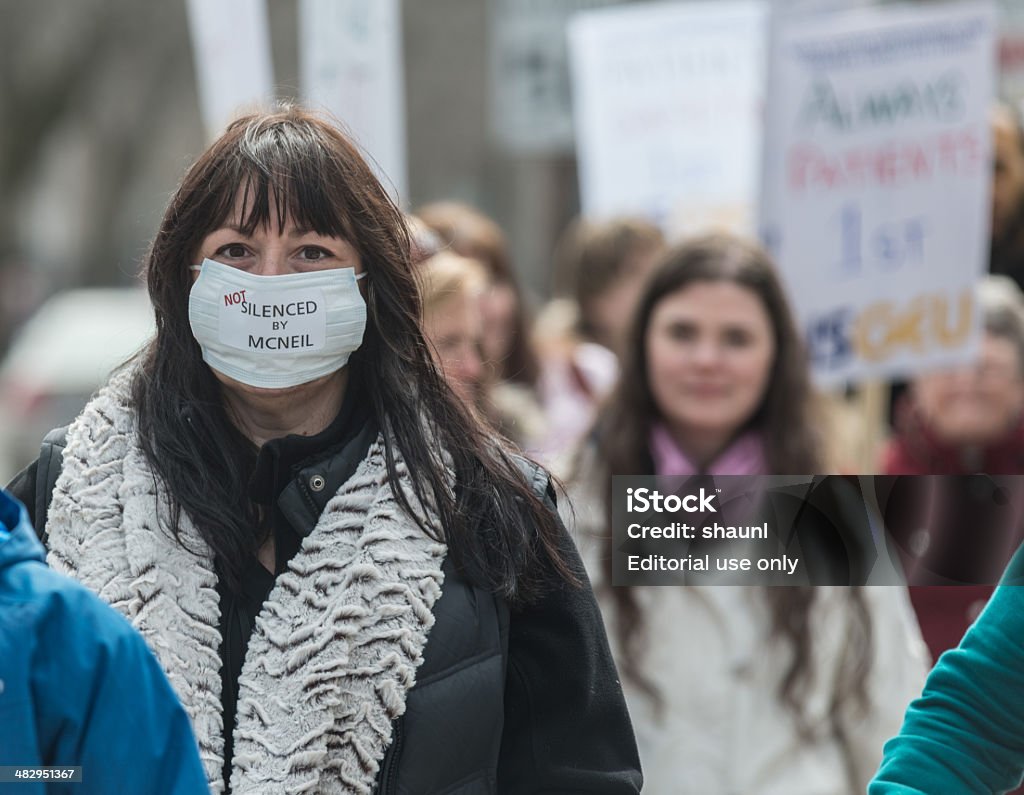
[(736, 689), (352, 587)]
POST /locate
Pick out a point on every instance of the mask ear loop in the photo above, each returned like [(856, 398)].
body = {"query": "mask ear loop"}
[(371, 299)]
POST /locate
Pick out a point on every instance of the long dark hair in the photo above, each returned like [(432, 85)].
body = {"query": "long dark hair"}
[(293, 164), (785, 419)]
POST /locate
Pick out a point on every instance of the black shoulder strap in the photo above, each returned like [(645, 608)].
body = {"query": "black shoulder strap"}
[(51, 460), (537, 479)]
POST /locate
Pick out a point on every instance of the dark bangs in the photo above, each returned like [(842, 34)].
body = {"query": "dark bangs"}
[(277, 172)]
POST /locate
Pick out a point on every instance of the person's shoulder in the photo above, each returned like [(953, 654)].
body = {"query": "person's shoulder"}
[(1014, 574), (71, 617), (23, 486), (71, 636), (535, 475), (33, 485)]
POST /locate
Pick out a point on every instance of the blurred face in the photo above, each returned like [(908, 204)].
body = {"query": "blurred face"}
[(974, 405), (454, 329), (500, 308), (710, 350), (1008, 175), (610, 313)]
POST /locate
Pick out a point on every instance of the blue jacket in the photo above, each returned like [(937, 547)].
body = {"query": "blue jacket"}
[(78, 685)]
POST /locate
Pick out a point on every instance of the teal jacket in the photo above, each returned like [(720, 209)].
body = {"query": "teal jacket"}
[(965, 734), (79, 687)]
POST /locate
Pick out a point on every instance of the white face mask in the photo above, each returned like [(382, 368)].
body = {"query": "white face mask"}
[(276, 331)]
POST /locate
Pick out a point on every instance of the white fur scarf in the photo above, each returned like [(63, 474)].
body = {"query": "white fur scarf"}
[(338, 641)]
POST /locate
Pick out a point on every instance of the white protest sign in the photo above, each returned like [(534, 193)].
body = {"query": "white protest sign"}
[(531, 106), (876, 191), (231, 45), (351, 65), (1011, 51), (668, 100)]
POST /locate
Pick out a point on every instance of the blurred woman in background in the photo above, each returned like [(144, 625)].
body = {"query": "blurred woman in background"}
[(454, 292), (509, 359), (736, 689), (470, 233), (969, 419), (453, 288), (963, 421), (601, 268)]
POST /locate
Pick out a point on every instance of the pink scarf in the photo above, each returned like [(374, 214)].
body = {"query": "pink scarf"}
[(745, 456)]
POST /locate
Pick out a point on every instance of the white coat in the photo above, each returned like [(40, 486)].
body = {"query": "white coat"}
[(723, 729)]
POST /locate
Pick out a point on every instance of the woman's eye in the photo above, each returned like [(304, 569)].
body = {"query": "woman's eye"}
[(736, 338), (314, 253), (681, 332), (233, 250)]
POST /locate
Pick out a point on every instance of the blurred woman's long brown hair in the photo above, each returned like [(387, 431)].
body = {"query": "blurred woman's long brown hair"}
[(472, 234), (786, 420)]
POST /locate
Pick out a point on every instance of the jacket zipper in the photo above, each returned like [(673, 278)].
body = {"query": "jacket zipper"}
[(389, 775)]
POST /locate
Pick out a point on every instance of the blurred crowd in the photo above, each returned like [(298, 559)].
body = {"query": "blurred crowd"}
[(683, 359), (539, 374)]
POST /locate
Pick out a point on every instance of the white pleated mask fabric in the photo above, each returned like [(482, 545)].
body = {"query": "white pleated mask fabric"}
[(276, 331)]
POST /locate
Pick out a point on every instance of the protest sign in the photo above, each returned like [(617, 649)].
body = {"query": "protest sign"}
[(667, 103), (876, 182), (231, 45), (1011, 51), (351, 65), (531, 108)]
